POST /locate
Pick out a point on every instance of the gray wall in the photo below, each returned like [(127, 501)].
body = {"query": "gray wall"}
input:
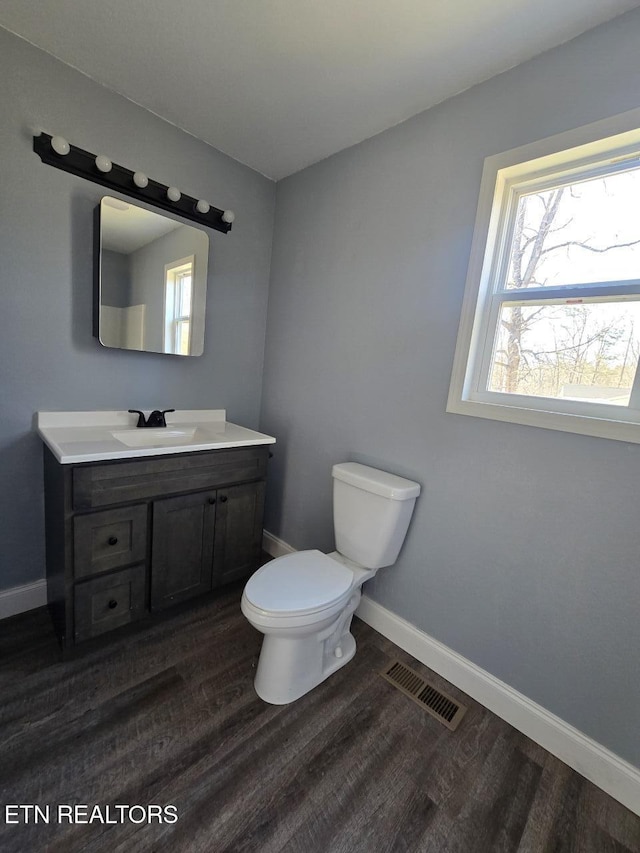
[(115, 277), (524, 550), (48, 357)]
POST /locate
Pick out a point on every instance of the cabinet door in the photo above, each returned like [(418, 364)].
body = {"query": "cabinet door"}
[(238, 537), (182, 548)]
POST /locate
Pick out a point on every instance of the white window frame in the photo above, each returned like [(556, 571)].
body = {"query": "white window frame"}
[(604, 146), (172, 272)]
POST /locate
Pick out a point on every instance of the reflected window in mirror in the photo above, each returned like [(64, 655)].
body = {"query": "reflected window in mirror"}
[(179, 279), (151, 280)]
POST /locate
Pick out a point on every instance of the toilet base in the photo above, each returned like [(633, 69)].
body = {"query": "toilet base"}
[(295, 659), (290, 667)]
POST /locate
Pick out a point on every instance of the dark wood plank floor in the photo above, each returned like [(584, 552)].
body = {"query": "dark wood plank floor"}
[(169, 716)]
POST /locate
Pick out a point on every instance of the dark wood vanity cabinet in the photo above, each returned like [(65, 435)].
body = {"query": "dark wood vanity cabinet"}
[(204, 540), (130, 538)]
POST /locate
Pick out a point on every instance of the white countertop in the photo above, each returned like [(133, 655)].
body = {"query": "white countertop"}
[(76, 437)]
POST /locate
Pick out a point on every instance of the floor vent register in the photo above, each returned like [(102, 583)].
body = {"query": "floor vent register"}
[(434, 701)]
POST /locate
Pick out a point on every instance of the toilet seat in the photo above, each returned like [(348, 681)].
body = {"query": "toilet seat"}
[(299, 584)]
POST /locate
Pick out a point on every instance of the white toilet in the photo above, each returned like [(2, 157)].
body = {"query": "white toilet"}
[(303, 603)]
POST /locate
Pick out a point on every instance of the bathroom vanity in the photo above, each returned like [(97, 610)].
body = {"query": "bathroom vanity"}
[(138, 521)]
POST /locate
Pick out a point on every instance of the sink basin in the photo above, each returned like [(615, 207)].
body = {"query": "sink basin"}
[(161, 437)]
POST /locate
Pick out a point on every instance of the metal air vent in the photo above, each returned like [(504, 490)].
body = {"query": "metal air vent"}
[(434, 701)]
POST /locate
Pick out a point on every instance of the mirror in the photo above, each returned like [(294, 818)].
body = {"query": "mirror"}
[(150, 280)]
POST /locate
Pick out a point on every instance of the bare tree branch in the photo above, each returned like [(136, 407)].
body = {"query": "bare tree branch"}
[(574, 347), (551, 208), (589, 248)]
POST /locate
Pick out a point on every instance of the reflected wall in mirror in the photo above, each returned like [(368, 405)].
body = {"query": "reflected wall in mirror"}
[(150, 280)]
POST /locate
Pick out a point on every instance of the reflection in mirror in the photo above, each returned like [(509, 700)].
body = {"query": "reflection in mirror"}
[(151, 280)]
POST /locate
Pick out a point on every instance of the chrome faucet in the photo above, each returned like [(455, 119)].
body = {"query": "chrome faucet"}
[(155, 419)]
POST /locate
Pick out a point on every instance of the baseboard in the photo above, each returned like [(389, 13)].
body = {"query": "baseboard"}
[(275, 547), (599, 765), (21, 598)]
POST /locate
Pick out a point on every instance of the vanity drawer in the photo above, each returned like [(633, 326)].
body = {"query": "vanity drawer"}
[(109, 602), (121, 482), (108, 540)]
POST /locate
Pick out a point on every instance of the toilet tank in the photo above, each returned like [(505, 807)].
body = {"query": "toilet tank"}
[(371, 513)]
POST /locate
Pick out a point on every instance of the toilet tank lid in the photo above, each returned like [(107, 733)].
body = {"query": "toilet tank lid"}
[(373, 480)]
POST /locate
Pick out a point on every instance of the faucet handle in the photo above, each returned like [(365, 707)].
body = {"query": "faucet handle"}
[(141, 419), (156, 418), (161, 417)]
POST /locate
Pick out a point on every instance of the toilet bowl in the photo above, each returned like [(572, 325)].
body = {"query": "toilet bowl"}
[(304, 602)]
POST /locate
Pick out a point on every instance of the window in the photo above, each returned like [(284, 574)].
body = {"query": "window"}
[(550, 332), (179, 278)]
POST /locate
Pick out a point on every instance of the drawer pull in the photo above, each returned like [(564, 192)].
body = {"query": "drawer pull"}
[(223, 499), (211, 500), (113, 540), (113, 604)]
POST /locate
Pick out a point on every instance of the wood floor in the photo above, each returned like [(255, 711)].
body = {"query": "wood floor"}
[(169, 716)]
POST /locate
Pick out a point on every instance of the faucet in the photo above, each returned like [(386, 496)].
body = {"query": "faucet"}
[(155, 419)]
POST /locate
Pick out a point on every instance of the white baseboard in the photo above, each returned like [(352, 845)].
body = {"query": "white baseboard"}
[(21, 598), (599, 765), (275, 547), (604, 768)]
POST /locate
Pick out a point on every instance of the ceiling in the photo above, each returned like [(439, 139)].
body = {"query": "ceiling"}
[(281, 84)]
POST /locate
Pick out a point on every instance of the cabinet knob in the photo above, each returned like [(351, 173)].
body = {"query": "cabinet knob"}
[(211, 500), (113, 540), (223, 499), (113, 604)]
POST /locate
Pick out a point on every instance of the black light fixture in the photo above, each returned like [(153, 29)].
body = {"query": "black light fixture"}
[(57, 152)]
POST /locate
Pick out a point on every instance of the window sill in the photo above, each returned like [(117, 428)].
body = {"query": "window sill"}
[(580, 424)]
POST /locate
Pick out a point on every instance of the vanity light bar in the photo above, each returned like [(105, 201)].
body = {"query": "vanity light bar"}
[(101, 170)]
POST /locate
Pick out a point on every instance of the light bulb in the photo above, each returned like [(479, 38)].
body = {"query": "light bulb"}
[(103, 163), (60, 145), (228, 216), (140, 179), (203, 206), (174, 194)]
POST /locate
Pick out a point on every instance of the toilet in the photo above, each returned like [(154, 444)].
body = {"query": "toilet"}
[(303, 603)]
